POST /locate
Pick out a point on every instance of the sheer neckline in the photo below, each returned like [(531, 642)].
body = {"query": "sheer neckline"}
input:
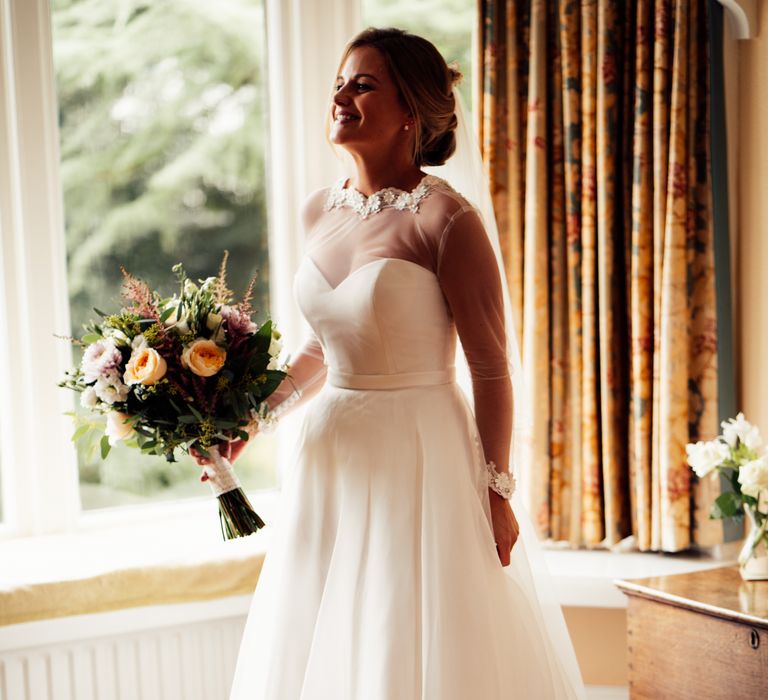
[(388, 197)]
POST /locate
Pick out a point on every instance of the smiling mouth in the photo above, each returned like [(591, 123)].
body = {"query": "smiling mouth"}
[(345, 118)]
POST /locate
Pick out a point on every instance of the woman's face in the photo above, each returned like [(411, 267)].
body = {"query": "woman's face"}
[(367, 111)]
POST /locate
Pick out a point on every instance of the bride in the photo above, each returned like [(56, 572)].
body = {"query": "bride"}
[(398, 569)]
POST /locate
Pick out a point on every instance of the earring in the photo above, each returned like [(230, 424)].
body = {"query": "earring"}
[(406, 127)]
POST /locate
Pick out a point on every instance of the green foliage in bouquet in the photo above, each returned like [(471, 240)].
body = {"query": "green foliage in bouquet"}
[(191, 370)]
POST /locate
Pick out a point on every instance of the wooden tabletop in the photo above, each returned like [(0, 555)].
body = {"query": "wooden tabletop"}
[(720, 592)]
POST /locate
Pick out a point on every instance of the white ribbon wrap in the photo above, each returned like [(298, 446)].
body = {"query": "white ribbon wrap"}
[(221, 476)]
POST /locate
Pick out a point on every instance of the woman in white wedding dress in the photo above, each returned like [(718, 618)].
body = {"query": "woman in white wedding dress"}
[(389, 575)]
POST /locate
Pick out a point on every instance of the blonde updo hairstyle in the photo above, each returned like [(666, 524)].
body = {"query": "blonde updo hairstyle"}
[(425, 83)]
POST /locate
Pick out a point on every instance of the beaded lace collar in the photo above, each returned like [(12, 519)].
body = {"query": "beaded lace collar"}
[(339, 196)]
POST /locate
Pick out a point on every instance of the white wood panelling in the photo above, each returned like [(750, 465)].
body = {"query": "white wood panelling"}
[(168, 652), (179, 662)]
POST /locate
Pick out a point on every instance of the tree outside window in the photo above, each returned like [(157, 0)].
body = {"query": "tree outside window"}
[(448, 24), (162, 122)]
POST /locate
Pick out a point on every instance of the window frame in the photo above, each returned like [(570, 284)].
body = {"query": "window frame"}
[(38, 462), (40, 488)]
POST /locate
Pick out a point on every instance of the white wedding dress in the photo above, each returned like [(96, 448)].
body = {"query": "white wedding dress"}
[(382, 580)]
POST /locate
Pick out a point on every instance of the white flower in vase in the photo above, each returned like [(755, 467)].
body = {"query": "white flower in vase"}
[(753, 477), (739, 430), (704, 457)]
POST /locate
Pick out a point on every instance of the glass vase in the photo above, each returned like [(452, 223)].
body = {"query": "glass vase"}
[(753, 558)]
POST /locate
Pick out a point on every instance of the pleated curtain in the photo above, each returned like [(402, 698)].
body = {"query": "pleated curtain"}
[(594, 125)]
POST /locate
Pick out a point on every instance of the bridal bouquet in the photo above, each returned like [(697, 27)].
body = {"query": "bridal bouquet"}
[(740, 455), (189, 371)]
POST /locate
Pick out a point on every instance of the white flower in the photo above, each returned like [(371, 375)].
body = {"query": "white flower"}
[(176, 320), (703, 457), (118, 427), (117, 336), (190, 287), (208, 284), (275, 348), (738, 429), (753, 476), (139, 342), (89, 399), (275, 344), (213, 321), (99, 358), (110, 388)]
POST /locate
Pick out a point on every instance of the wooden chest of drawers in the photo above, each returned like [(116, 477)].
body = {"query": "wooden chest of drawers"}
[(702, 636)]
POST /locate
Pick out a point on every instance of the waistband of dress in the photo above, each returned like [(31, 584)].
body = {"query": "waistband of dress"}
[(403, 380)]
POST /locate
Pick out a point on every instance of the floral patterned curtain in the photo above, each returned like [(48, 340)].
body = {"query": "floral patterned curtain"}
[(594, 124)]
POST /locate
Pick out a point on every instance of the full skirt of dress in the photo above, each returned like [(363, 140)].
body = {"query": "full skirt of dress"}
[(382, 580)]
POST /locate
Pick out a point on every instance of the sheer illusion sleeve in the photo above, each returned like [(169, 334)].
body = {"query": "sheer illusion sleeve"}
[(307, 370), (469, 277), (306, 375)]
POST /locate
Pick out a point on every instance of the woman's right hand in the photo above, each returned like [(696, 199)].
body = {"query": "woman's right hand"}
[(228, 450)]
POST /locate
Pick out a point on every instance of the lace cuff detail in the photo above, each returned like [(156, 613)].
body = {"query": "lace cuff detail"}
[(267, 418), (503, 483)]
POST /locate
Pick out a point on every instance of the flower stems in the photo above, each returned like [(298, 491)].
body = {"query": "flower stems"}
[(236, 515)]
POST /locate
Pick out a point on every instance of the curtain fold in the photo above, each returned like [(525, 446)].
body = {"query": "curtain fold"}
[(594, 125)]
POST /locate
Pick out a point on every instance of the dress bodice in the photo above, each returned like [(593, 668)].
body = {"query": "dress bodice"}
[(388, 284), (388, 316)]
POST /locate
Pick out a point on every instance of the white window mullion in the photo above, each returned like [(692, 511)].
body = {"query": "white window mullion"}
[(40, 483), (304, 42)]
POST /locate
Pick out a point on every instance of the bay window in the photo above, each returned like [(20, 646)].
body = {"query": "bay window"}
[(143, 134)]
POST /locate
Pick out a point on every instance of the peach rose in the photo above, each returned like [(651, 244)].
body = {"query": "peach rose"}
[(203, 357), (146, 366), (118, 427)]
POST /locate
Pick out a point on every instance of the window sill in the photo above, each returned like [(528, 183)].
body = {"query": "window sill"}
[(585, 578), (170, 554)]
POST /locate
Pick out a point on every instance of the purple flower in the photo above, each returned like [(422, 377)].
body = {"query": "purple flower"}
[(110, 388), (100, 358), (238, 323)]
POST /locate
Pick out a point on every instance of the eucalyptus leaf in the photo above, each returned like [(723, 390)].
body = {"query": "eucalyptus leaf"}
[(80, 432), (105, 447)]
